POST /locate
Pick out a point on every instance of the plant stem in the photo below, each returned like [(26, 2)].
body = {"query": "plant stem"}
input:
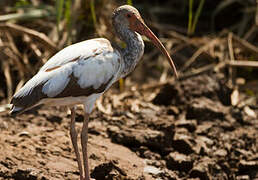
[(93, 14), (197, 15), (130, 2), (59, 8), (190, 17), (67, 14)]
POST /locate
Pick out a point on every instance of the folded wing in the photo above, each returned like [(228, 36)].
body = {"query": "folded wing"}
[(81, 69)]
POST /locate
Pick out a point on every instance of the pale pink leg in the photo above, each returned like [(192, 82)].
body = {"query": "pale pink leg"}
[(84, 141), (74, 136)]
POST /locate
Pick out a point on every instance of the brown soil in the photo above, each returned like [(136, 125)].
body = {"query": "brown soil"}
[(181, 130)]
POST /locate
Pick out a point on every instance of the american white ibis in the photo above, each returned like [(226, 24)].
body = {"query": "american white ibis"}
[(82, 72)]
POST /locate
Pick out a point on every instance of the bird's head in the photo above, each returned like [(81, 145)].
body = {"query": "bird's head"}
[(129, 17)]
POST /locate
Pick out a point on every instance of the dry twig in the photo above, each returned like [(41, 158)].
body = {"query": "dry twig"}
[(198, 53), (232, 71), (198, 71), (243, 63), (245, 44), (8, 78), (34, 34)]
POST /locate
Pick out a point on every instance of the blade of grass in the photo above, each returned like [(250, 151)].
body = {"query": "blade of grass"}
[(121, 85), (197, 15), (67, 14), (68, 11), (93, 13), (190, 17), (59, 15), (21, 3), (130, 2)]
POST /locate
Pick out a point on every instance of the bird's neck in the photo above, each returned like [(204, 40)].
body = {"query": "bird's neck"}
[(133, 51)]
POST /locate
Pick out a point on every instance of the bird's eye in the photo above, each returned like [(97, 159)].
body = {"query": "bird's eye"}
[(129, 15)]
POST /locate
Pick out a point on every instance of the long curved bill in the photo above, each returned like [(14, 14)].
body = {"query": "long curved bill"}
[(143, 29)]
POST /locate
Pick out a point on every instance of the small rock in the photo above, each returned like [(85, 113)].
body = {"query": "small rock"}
[(4, 171), (54, 119), (151, 170), (25, 174), (108, 171), (136, 138), (183, 143), (180, 162), (238, 115), (3, 125), (243, 177), (221, 153), (114, 129), (173, 110), (166, 175), (8, 163), (249, 112), (204, 128), (24, 134), (206, 140), (227, 125), (190, 125), (205, 109), (201, 169), (205, 145), (243, 152), (247, 166), (151, 155), (168, 95)]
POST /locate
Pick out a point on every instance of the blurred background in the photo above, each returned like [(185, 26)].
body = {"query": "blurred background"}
[(195, 31)]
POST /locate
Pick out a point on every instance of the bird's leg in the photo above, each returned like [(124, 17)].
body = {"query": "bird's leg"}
[(84, 141), (74, 136)]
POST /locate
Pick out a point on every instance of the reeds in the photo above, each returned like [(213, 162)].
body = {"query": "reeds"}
[(193, 22)]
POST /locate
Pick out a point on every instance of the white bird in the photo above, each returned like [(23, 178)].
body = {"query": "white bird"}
[(82, 72)]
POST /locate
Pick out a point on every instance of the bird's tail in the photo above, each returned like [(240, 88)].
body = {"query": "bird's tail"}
[(15, 110)]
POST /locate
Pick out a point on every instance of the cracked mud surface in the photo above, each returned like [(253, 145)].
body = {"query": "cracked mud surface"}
[(181, 130)]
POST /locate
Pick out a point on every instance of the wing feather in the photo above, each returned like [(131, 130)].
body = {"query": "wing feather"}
[(90, 64), (82, 49)]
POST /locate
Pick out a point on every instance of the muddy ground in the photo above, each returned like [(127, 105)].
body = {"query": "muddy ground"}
[(178, 130)]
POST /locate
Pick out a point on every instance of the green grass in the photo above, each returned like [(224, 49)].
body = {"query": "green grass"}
[(59, 14), (190, 16), (130, 2), (93, 13), (193, 22)]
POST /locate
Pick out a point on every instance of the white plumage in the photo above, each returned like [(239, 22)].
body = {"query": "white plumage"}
[(92, 62)]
